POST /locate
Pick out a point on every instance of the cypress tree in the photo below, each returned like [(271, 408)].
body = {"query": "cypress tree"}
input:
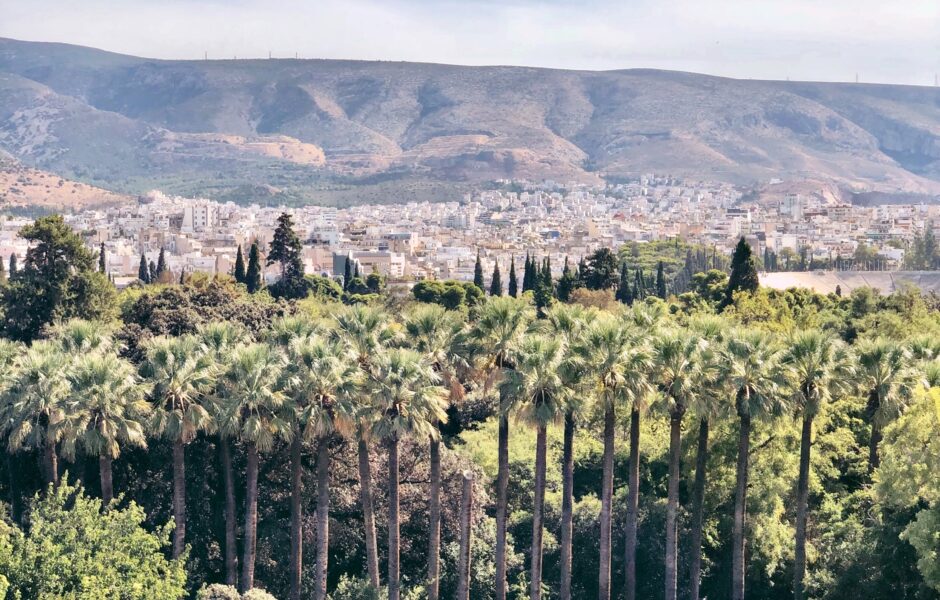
[(624, 294), (161, 262), (182, 276), (347, 272), (513, 282), (12, 264), (478, 274), (743, 272), (102, 260), (253, 273), (566, 283), (661, 281), (3, 273), (527, 274), (239, 266), (143, 273), (152, 272), (496, 283), (356, 270), (543, 290)]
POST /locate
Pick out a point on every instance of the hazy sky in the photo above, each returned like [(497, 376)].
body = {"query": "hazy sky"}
[(893, 41)]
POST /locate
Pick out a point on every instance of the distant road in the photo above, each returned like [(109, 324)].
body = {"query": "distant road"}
[(825, 282)]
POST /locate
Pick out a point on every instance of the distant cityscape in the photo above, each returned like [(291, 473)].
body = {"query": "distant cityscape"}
[(414, 241)]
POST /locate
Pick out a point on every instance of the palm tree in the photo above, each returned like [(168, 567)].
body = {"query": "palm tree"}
[(321, 378), (78, 336), (284, 333), (646, 319), (750, 371), (34, 416), (366, 332), (182, 372), (501, 322), (537, 385), (439, 336), (256, 410), (886, 377), (567, 322), (707, 405), (107, 410), (220, 337), (617, 365), (9, 354), (406, 394), (678, 373), (817, 366)]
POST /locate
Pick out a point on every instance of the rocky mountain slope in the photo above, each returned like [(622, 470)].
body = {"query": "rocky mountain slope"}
[(308, 127)]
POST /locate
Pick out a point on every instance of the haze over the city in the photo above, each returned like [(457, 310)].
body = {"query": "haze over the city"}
[(799, 39)]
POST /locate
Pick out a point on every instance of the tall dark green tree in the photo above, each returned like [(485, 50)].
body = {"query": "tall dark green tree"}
[(513, 282), (102, 259), (527, 274), (143, 271), (239, 273), (743, 272), (347, 272), (661, 280), (544, 287), (624, 293), (13, 267), (286, 251), (566, 283), (496, 283), (3, 273), (161, 262), (152, 272), (285, 247), (253, 273), (478, 274), (600, 270), (58, 282)]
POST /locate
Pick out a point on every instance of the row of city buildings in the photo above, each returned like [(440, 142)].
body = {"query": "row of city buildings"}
[(442, 240)]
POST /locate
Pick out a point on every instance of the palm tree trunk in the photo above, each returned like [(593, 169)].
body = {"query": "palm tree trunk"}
[(368, 516), (12, 469), (607, 493), (51, 460), (323, 517), (874, 458), (535, 584), (231, 551), (296, 515), (740, 511), (567, 505), (672, 505), (633, 504), (698, 509), (463, 567), (802, 502), (179, 498), (107, 485), (434, 521), (502, 490), (251, 519), (394, 576)]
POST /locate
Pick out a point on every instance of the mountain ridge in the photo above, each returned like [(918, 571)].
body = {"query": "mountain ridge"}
[(172, 123)]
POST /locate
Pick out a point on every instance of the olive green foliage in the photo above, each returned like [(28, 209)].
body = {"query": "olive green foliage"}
[(71, 549), (449, 294)]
